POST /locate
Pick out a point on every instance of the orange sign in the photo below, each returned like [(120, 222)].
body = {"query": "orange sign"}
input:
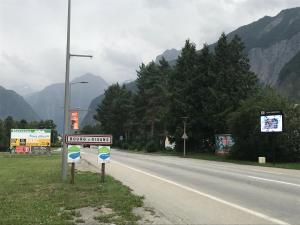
[(74, 120)]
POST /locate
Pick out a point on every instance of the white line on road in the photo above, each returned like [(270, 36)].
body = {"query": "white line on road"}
[(275, 181), (241, 208)]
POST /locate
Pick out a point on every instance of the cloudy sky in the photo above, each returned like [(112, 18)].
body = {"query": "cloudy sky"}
[(120, 34)]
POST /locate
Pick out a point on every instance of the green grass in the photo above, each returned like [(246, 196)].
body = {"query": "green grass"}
[(32, 193)]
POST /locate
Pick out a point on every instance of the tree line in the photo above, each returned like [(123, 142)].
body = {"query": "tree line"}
[(9, 123), (214, 88)]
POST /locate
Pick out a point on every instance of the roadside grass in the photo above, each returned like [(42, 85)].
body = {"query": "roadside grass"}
[(32, 193)]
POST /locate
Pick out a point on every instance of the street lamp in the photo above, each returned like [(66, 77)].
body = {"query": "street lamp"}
[(64, 158)]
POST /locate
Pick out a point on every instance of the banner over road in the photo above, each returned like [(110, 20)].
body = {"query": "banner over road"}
[(92, 139)]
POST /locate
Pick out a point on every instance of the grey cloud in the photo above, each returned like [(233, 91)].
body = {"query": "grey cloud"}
[(120, 58), (119, 33)]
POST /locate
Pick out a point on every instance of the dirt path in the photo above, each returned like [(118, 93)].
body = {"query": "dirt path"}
[(147, 213)]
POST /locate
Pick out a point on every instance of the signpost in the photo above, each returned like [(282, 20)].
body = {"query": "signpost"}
[(103, 157), (92, 139), (271, 122), (184, 136), (75, 140)]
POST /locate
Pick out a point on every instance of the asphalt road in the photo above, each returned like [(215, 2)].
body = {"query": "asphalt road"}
[(190, 191)]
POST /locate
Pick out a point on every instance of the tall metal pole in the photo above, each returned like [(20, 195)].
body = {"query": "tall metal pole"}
[(184, 127), (64, 162)]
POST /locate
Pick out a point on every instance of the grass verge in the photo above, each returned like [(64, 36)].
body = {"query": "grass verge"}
[(32, 193)]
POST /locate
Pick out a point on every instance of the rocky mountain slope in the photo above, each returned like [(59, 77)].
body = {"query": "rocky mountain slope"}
[(271, 43), (12, 104)]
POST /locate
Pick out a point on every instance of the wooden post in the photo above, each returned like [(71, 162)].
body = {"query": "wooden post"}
[(102, 172), (73, 173)]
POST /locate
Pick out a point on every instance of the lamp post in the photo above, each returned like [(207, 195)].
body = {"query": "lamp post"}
[(184, 136), (64, 158)]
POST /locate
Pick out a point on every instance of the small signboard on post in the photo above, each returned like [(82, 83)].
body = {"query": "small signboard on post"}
[(73, 153), (103, 154), (92, 139), (75, 140), (272, 122)]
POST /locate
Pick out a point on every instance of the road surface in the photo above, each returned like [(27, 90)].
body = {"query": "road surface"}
[(190, 191)]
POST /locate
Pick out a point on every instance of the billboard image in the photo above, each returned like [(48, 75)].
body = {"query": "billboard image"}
[(270, 122), (73, 153), (74, 120), (223, 143), (103, 154), (30, 137)]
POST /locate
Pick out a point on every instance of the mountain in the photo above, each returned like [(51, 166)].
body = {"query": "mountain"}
[(49, 102), (270, 44), (12, 104), (289, 79), (22, 89), (89, 118), (170, 55)]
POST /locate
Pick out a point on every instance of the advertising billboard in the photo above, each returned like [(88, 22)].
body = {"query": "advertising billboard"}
[(74, 120), (30, 137), (223, 143), (271, 121)]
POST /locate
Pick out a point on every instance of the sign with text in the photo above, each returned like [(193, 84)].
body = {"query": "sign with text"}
[(103, 154), (73, 153), (92, 139), (30, 137)]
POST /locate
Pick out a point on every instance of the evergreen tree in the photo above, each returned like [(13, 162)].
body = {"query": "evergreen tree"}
[(180, 88), (114, 111), (152, 83)]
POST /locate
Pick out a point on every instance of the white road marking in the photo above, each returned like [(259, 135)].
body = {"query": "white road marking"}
[(275, 181), (241, 208)]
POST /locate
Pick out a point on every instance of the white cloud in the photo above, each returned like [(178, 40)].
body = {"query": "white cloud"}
[(120, 34)]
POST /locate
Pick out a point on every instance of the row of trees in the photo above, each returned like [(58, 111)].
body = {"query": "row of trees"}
[(212, 87), (9, 123)]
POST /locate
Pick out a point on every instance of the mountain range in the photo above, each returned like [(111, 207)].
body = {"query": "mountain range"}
[(272, 45), (12, 104), (48, 103)]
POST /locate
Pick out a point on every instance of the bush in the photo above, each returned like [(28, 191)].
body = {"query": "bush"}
[(152, 146), (250, 143)]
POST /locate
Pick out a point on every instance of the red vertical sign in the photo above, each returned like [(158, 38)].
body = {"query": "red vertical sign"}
[(74, 120)]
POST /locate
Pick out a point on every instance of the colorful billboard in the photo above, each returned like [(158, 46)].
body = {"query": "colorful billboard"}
[(30, 137), (74, 120), (271, 121), (223, 143)]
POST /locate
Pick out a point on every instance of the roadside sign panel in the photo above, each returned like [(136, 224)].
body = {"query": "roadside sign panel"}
[(30, 137), (73, 153), (271, 121), (93, 139), (74, 120), (103, 154)]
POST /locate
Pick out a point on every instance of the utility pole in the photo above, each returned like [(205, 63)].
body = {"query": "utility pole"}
[(64, 158), (64, 153)]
